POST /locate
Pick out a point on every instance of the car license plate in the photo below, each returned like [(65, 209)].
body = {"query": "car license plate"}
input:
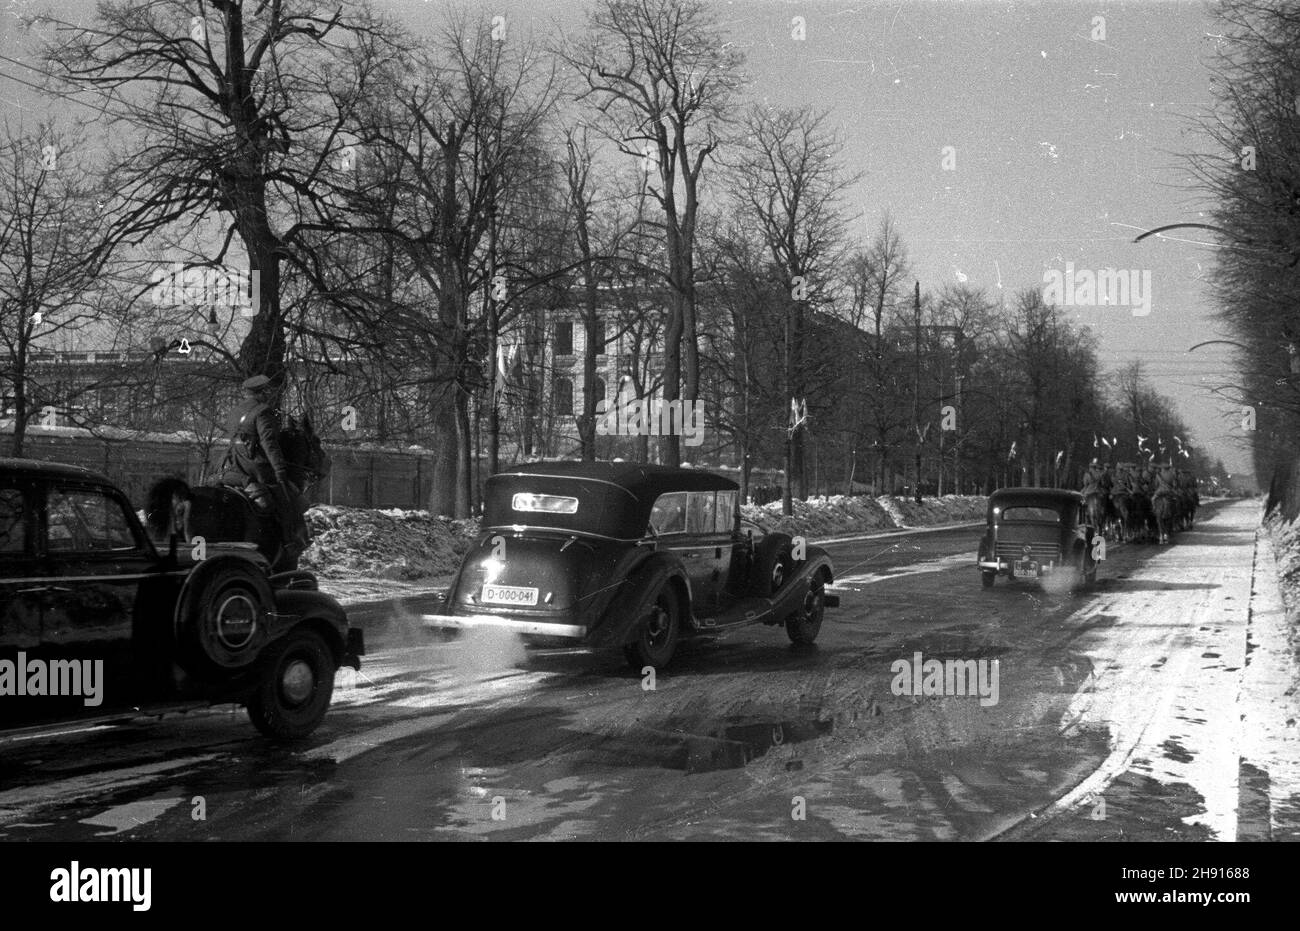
[(1025, 570), (509, 595)]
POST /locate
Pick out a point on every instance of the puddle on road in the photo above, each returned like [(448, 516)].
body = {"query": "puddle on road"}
[(734, 746)]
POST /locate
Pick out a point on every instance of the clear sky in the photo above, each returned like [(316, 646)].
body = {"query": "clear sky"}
[(1065, 146)]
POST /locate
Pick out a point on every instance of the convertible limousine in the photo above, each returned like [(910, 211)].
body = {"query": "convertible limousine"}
[(630, 556)]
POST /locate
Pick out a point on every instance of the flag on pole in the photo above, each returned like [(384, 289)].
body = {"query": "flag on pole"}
[(798, 413), (506, 354)]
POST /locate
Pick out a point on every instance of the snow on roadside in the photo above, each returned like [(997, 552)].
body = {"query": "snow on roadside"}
[(1286, 549), (835, 515), (360, 554), (386, 544)]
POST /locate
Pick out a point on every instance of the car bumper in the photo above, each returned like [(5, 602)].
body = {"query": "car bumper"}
[(1004, 566), (355, 648), (517, 625)]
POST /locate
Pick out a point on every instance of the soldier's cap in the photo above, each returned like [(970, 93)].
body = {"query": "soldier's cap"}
[(256, 383)]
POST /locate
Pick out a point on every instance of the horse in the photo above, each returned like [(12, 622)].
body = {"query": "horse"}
[(1122, 504), (1143, 519), (220, 513), (1094, 505), (1163, 508)]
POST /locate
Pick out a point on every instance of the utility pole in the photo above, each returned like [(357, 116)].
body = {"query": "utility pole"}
[(916, 395), (787, 503), (956, 442)]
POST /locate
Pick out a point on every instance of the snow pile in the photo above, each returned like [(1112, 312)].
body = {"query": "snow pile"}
[(820, 516), (839, 514), (385, 544), (950, 509), (1286, 549), (391, 544)]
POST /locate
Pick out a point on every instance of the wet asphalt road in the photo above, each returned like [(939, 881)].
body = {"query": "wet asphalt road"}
[(1119, 715)]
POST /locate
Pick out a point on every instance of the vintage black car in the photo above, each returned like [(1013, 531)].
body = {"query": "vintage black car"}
[(1036, 533), (614, 554), (95, 622)]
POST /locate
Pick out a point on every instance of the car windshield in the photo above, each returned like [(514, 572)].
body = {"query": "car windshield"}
[(1023, 514)]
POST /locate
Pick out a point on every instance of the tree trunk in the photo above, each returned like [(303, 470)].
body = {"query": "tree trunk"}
[(21, 413), (263, 349), (442, 495), (464, 445)]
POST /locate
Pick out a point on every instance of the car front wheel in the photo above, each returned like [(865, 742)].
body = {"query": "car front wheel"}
[(988, 577), (296, 687), (656, 633)]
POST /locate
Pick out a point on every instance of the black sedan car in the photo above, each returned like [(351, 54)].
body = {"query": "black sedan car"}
[(613, 554), (1037, 533), (95, 622)]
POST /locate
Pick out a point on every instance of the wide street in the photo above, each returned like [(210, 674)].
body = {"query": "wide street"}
[(1149, 707)]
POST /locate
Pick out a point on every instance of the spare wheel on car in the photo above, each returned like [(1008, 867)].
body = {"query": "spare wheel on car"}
[(221, 616)]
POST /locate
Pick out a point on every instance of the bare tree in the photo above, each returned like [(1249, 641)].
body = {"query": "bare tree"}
[(789, 182), (51, 266), (662, 79), (459, 136), (235, 109), (874, 282)]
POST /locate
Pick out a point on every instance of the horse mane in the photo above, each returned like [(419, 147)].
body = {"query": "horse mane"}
[(302, 446)]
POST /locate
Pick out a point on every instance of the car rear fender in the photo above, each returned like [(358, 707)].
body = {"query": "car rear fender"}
[(634, 596), (790, 598)]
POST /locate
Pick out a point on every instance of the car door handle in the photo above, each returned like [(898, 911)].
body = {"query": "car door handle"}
[(30, 591), (692, 555)]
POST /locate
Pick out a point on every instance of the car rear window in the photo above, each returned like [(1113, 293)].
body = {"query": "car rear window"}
[(1012, 515), (544, 504)]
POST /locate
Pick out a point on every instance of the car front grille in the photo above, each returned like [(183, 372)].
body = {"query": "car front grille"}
[(1041, 552)]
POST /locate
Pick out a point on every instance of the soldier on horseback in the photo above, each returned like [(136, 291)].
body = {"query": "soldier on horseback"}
[(1123, 480), (255, 462), (1094, 480)]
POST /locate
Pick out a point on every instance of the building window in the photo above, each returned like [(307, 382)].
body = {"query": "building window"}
[(600, 337), (598, 389), (563, 396), (564, 338)]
